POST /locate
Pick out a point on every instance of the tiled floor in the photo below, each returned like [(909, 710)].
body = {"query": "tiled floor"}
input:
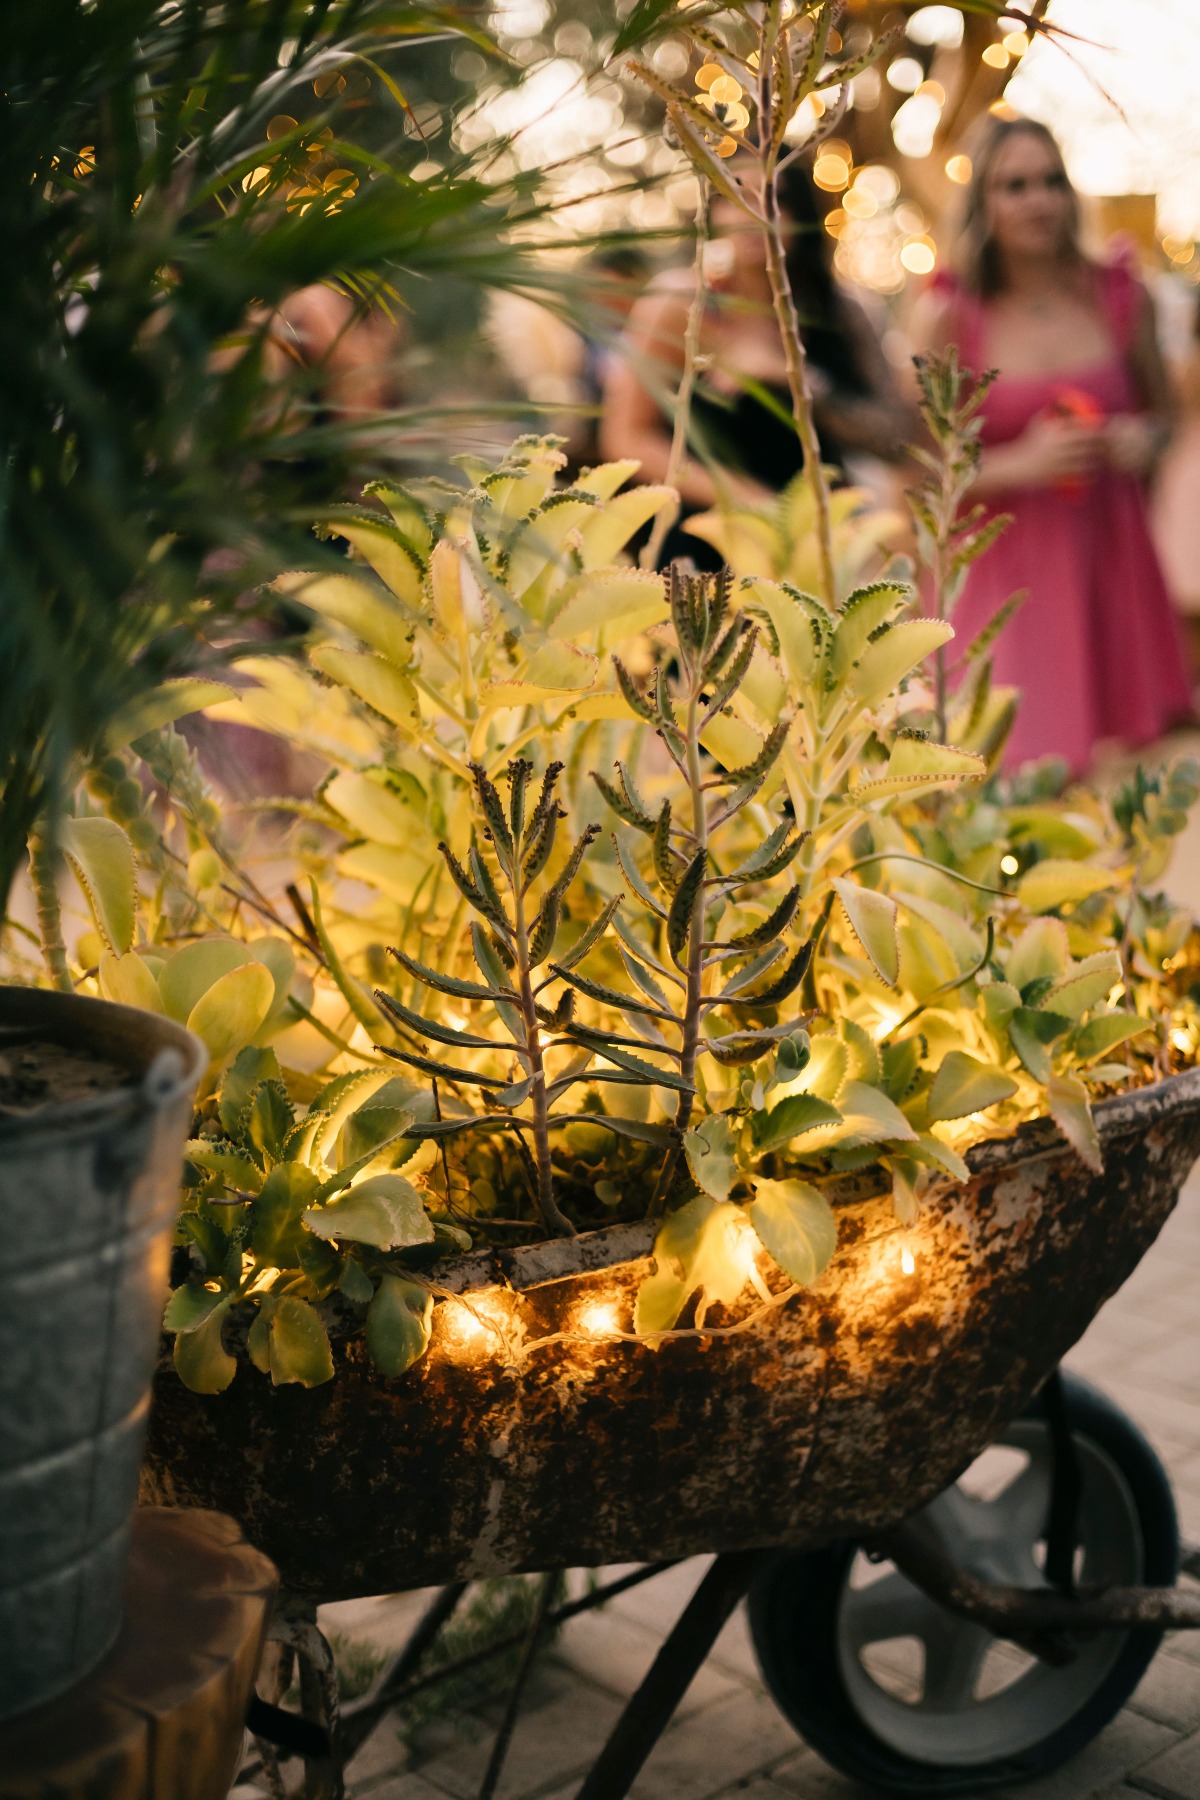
[(728, 1738)]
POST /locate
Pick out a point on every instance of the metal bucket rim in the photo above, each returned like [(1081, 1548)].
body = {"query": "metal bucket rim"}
[(94, 1024)]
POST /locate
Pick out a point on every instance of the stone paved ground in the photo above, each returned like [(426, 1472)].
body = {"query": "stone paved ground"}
[(729, 1739)]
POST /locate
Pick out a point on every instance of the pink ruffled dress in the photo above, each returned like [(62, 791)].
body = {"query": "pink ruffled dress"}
[(1095, 650)]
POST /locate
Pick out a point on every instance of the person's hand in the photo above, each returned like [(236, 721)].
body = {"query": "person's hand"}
[(1055, 450), (1131, 442)]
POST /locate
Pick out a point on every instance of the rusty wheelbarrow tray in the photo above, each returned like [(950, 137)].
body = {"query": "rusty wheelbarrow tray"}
[(529, 1439), (836, 1416)]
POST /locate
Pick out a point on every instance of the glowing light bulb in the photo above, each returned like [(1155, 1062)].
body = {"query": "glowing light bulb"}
[(599, 1318), (1009, 865), (958, 168), (996, 56), (474, 1327), (908, 1262)]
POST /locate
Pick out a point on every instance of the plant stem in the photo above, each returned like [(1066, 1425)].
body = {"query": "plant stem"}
[(788, 322), (694, 972), (945, 520), (554, 1219), (668, 512), (43, 868)]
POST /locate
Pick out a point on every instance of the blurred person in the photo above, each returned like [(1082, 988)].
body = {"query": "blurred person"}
[(560, 367), (1072, 427), (1176, 505), (350, 352), (857, 401)]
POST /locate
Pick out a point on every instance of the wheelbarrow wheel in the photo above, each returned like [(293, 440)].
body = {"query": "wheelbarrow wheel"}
[(900, 1694)]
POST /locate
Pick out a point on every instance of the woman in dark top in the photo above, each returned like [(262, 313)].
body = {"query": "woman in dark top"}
[(745, 452)]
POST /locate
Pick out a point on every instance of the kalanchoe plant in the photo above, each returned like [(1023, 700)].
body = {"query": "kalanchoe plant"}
[(951, 537), (790, 963), (714, 650), (512, 956)]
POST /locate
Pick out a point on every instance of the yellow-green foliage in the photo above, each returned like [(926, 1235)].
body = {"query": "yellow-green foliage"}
[(781, 930)]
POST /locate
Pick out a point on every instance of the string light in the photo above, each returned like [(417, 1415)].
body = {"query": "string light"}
[(599, 1318), (476, 1325), (958, 168), (1009, 865), (996, 56), (908, 1262)]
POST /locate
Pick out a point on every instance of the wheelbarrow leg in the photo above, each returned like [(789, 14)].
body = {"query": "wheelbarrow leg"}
[(650, 1709)]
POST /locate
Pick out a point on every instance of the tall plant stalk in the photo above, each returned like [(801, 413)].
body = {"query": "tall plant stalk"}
[(667, 514), (787, 63)]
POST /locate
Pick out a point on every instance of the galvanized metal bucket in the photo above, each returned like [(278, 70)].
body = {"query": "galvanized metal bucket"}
[(88, 1197)]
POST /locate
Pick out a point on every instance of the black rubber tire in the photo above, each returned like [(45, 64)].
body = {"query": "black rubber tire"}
[(794, 1609)]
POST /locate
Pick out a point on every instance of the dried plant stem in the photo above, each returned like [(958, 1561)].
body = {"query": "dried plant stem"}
[(788, 322), (43, 869), (668, 512)]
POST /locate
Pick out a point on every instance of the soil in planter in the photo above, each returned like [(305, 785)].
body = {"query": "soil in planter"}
[(36, 1073)]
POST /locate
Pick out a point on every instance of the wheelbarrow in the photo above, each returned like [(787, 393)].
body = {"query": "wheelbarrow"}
[(823, 1454)]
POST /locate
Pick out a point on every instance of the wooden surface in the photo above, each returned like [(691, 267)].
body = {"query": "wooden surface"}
[(162, 1717)]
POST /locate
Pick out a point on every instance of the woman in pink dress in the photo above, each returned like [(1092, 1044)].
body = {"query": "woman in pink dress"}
[(1071, 427)]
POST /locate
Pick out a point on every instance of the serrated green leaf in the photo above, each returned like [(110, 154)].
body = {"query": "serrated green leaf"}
[(270, 1119), (1083, 985), (659, 1302), (450, 984), (190, 1305), (872, 918), (372, 615), (934, 1154), (201, 1360), (129, 981), (231, 1011), (1040, 951), (796, 1114), (796, 1226), (373, 679), (781, 988), (868, 1117), (1101, 1036), (355, 1283), (884, 663), (245, 1075), (963, 1085), (1030, 1032), (161, 706), (299, 1344), (915, 764), (679, 918), (377, 1132), (710, 1149), (102, 857), (275, 1214), (385, 1210), (651, 1072), (1057, 882), (1072, 1113), (901, 1062), (399, 1325)]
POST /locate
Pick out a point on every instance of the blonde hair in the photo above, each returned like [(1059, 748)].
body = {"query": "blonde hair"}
[(978, 256)]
